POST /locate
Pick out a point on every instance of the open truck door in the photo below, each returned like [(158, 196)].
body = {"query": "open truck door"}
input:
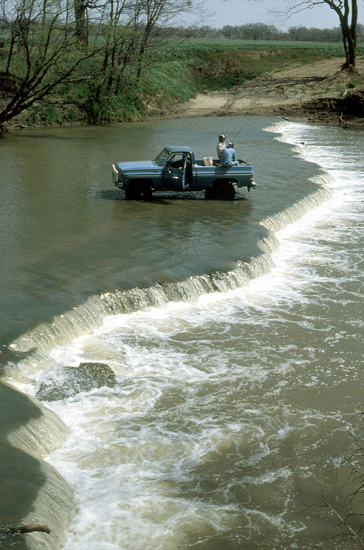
[(174, 172)]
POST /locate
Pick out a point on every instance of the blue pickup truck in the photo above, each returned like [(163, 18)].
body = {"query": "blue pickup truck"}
[(176, 169)]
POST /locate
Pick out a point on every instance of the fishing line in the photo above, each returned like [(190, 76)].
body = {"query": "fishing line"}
[(241, 129)]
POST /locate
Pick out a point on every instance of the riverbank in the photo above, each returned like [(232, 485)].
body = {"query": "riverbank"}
[(319, 92)]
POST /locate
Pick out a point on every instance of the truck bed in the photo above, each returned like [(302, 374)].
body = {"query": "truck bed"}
[(216, 162)]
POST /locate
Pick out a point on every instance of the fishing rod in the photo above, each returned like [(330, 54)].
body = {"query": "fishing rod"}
[(241, 129)]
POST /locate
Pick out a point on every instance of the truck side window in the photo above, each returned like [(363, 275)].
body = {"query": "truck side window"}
[(176, 161)]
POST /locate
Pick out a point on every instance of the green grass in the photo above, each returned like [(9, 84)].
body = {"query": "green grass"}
[(196, 65), (168, 80), (197, 46), (212, 70)]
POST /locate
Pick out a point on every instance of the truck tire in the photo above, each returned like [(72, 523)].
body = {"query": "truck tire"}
[(128, 194), (210, 193), (140, 191), (225, 191)]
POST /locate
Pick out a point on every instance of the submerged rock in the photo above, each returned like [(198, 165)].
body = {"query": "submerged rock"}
[(72, 380), (30, 528)]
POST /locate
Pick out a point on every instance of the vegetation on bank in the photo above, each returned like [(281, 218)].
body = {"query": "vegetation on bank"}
[(218, 65), (95, 54), (84, 60), (193, 66)]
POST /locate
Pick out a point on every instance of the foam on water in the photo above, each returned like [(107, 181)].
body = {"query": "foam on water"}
[(223, 424)]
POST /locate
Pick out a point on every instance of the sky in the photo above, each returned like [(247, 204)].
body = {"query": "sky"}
[(241, 12)]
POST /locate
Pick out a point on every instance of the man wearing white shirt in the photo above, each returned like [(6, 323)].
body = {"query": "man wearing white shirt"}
[(221, 145)]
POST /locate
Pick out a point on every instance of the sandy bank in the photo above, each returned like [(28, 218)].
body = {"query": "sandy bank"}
[(318, 91)]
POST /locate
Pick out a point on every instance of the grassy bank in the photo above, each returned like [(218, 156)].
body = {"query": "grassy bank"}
[(194, 66)]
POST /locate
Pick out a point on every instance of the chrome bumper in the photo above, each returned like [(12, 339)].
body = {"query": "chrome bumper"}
[(115, 175)]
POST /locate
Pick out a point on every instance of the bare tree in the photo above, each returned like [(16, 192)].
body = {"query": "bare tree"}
[(347, 12), (137, 35), (153, 16), (46, 53), (43, 46)]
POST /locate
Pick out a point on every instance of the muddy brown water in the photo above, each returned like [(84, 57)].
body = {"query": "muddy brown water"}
[(234, 330)]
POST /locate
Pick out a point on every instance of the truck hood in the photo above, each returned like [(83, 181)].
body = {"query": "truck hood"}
[(137, 165)]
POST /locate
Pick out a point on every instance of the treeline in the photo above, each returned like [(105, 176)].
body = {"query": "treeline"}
[(261, 31), (250, 31)]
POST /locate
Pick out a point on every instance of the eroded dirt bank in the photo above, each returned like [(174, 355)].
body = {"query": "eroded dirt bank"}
[(319, 91)]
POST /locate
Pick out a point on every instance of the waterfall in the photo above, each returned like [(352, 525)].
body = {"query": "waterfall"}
[(85, 318)]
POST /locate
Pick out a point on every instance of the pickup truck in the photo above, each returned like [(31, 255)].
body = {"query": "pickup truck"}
[(176, 169)]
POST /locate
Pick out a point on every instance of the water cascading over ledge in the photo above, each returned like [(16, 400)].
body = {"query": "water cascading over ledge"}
[(32, 491), (85, 318), (90, 315)]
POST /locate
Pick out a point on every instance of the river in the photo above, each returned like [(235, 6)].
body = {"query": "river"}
[(234, 330)]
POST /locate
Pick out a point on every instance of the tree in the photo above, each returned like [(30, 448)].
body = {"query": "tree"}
[(150, 17), (347, 11), (80, 8), (314, 35), (42, 52), (50, 42), (47, 43), (360, 32), (258, 31), (137, 35), (228, 31)]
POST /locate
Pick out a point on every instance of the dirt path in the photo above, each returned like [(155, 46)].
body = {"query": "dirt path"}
[(311, 90)]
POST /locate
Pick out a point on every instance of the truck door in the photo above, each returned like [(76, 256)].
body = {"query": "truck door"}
[(174, 172)]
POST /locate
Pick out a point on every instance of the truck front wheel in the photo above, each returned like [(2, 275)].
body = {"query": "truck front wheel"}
[(225, 191), (139, 191)]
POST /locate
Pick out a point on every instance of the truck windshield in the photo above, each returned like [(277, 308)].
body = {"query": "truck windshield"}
[(161, 158)]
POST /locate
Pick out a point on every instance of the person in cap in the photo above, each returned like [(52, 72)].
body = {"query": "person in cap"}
[(228, 156), (221, 145)]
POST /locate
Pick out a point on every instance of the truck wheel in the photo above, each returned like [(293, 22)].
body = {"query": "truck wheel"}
[(210, 193), (225, 191), (128, 194), (141, 191)]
